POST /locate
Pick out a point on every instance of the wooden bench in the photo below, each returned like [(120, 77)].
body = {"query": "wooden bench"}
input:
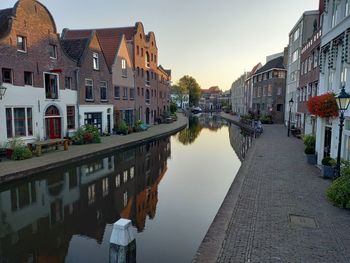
[(39, 145)]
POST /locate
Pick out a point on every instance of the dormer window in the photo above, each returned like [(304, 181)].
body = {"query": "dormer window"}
[(53, 51), (21, 44), (95, 61), (124, 70)]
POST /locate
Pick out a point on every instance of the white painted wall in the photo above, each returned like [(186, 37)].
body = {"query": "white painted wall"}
[(100, 109), (33, 97)]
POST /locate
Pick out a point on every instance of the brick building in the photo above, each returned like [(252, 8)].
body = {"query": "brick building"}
[(95, 80), (269, 86), (41, 98), (308, 82)]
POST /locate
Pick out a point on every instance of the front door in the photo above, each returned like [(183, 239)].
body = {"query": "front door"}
[(147, 115), (327, 142), (53, 128)]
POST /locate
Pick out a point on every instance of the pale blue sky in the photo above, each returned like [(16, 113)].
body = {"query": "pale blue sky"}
[(212, 40)]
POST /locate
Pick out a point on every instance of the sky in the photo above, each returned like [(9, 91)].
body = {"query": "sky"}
[(214, 41)]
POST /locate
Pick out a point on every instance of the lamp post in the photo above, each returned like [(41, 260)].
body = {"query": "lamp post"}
[(343, 100), (291, 102), (2, 91)]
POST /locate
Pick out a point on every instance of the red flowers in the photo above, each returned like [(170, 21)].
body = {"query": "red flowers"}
[(323, 106)]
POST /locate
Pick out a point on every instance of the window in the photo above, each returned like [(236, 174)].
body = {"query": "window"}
[(125, 93), (279, 107), (147, 78), (141, 52), (70, 117), (265, 76), (142, 92), (68, 83), (155, 58), (116, 92), (270, 75), (125, 176), (138, 91), (89, 93), (147, 60), (103, 90), (335, 13), (91, 194), (279, 91), (51, 86), (347, 8), (21, 44), (269, 90), (95, 61), (132, 93), (137, 50), (19, 122), (295, 55), (105, 187), (292, 76), (124, 69), (7, 75), (343, 76), (296, 34), (147, 96), (330, 80), (310, 63), (53, 51), (28, 78), (117, 181), (264, 91), (316, 54)]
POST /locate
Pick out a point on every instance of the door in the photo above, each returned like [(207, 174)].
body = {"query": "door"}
[(53, 123), (327, 142), (53, 128), (109, 123), (147, 115), (95, 119)]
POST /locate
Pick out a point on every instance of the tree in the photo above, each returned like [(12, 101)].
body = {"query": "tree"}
[(189, 84), (180, 92)]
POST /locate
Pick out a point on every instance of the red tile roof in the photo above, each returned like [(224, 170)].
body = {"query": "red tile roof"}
[(109, 39)]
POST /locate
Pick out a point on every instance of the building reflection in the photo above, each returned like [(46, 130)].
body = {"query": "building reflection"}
[(209, 121), (39, 217), (240, 140)]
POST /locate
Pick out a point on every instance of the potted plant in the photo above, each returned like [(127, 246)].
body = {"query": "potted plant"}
[(328, 165), (310, 143)]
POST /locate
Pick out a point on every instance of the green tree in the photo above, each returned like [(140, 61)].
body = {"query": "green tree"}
[(189, 84)]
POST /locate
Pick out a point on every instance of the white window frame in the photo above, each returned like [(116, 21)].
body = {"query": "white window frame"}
[(26, 120), (58, 84), (124, 68), (55, 51), (24, 39), (95, 61)]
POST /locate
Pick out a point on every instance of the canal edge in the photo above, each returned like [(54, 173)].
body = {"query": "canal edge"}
[(14, 176), (212, 244)]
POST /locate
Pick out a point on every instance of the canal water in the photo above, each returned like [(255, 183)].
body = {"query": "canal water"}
[(171, 189)]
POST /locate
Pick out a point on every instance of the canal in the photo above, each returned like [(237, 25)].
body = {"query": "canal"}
[(171, 189)]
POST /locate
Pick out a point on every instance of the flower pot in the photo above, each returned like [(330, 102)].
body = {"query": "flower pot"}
[(311, 159), (328, 171)]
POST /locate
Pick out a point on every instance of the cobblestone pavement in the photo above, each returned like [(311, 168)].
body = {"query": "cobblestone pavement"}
[(278, 186), (10, 170)]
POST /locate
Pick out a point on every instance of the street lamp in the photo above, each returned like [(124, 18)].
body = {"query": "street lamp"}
[(2, 91), (343, 101), (291, 102)]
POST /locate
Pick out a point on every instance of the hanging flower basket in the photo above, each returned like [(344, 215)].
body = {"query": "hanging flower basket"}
[(324, 106)]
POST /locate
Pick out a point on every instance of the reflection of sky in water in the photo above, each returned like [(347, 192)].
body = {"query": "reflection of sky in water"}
[(190, 195)]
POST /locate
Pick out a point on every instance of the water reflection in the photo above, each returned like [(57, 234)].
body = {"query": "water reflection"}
[(212, 122), (41, 218), (240, 140)]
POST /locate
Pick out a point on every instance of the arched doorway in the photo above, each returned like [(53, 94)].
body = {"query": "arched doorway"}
[(52, 123), (147, 115)]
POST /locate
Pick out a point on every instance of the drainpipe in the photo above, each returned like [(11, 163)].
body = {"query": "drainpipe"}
[(78, 94)]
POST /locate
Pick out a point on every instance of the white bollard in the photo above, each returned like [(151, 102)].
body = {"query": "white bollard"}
[(123, 233)]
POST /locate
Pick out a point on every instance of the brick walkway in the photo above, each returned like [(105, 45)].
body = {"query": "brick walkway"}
[(273, 184), (10, 170)]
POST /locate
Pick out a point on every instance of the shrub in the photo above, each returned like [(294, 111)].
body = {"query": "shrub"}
[(86, 134), (338, 193), (328, 161), (309, 140), (266, 119), (309, 150), (21, 152), (122, 128), (173, 107)]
